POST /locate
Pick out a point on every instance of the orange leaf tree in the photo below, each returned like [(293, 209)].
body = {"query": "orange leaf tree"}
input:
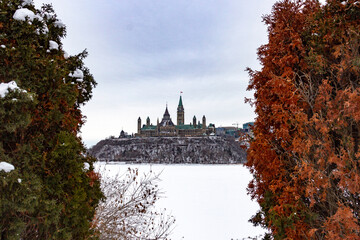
[(305, 152)]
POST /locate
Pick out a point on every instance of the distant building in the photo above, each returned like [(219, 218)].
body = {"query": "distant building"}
[(228, 132), (124, 134), (166, 128), (247, 127)]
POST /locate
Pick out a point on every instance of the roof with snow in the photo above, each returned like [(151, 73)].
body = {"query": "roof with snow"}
[(166, 121)]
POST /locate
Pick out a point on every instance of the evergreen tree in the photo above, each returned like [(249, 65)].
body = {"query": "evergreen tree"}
[(53, 190), (305, 154)]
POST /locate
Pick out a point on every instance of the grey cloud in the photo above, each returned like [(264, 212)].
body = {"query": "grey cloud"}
[(143, 52)]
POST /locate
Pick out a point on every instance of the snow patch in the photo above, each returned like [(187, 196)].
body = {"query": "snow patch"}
[(58, 23), (5, 87), (22, 13), (66, 55), (45, 29), (86, 166), (49, 15), (77, 74), (7, 167), (201, 195), (53, 45), (27, 2)]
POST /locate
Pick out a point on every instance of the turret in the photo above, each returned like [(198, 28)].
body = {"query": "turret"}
[(122, 134), (157, 125), (180, 113), (204, 122), (148, 121), (194, 121), (139, 125)]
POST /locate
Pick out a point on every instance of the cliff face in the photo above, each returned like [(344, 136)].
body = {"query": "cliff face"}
[(170, 150)]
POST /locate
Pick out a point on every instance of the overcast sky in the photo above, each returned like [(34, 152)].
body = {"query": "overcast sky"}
[(143, 53)]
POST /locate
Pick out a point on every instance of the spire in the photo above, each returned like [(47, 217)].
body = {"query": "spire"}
[(180, 107), (180, 112), (166, 112), (166, 121), (180, 102)]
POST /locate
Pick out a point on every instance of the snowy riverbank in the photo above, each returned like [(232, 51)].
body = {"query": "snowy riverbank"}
[(204, 150)]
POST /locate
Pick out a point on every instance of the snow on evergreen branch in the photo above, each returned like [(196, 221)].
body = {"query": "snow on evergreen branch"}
[(7, 167), (5, 87)]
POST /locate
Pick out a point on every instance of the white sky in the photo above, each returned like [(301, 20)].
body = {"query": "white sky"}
[(143, 53)]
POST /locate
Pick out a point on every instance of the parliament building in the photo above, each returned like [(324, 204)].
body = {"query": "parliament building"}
[(166, 128)]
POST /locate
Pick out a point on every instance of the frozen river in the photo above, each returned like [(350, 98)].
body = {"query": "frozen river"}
[(209, 202)]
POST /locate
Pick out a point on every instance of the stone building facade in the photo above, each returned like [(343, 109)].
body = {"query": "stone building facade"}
[(166, 128)]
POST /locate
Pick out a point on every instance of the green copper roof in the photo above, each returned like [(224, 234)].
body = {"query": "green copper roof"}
[(180, 102), (151, 127), (184, 127)]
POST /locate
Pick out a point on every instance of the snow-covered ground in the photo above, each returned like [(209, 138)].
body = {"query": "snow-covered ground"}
[(209, 202)]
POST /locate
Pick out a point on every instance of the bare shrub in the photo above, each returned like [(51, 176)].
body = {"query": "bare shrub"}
[(128, 211)]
